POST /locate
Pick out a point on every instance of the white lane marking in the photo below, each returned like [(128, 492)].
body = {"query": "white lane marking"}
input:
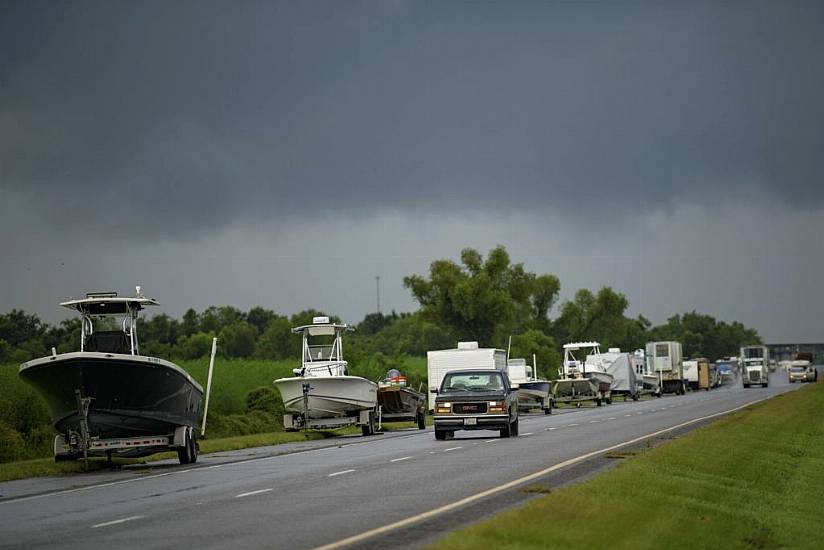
[(214, 467), (490, 441), (279, 456), (627, 415), (366, 535), (550, 429), (250, 493), (452, 449), (341, 473), (611, 418), (571, 425), (526, 434), (115, 522), (401, 458), (594, 421)]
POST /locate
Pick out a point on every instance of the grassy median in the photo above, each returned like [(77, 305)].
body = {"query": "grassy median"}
[(754, 479)]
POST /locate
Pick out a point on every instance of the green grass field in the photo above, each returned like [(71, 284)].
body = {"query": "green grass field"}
[(754, 479)]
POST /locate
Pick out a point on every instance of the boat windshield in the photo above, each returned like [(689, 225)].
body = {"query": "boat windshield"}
[(320, 353), (472, 381)]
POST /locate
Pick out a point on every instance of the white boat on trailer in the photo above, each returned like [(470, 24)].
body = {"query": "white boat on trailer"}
[(581, 380), (533, 392), (322, 394)]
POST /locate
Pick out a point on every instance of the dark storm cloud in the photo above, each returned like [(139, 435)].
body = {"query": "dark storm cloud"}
[(198, 114)]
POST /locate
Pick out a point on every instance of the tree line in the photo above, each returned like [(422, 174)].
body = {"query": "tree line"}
[(488, 299)]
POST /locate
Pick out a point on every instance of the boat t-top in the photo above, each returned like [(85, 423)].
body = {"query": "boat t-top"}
[(322, 394), (107, 398), (582, 380)]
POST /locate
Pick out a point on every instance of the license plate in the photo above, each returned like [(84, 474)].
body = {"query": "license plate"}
[(470, 421)]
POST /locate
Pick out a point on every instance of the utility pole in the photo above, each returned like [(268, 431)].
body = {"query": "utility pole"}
[(378, 288)]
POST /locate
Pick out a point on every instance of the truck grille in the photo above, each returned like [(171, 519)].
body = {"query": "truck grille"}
[(469, 408), (755, 376)]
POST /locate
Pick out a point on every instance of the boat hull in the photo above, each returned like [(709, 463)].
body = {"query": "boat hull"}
[(399, 400), (130, 395), (535, 392), (573, 387), (329, 396)]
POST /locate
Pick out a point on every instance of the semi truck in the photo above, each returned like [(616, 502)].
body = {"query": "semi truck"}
[(755, 362), (667, 362)]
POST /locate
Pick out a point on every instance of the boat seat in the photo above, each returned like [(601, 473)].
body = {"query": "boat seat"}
[(107, 341)]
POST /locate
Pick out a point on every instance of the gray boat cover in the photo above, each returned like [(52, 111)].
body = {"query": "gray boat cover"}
[(622, 371)]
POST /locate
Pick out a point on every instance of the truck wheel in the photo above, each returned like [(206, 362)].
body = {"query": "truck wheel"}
[(746, 385), (440, 434), (513, 429), (506, 432), (184, 453), (421, 421)]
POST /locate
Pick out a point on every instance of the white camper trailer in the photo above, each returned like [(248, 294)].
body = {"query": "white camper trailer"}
[(667, 363), (466, 356)]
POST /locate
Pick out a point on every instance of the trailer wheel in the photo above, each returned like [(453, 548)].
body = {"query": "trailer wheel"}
[(635, 397), (598, 402), (184, 453), (421, 421), (548, 409), (609, 400), (440, 434), (193, 450), (369, 427)]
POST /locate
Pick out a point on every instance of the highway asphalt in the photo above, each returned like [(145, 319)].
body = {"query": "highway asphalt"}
[(318, 493)]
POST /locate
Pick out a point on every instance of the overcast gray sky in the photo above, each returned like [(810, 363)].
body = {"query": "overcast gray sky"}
[(284, 154)]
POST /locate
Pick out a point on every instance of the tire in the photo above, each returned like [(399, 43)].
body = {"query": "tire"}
[(513, 428), (746, 386), (609, 400), (369, 427), (506, 432), (193, 450), (598, 402), (635, 397), (184, 453), (421, 421), (440, 434)]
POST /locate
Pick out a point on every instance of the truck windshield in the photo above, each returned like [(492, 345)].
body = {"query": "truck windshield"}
[(472, 381)]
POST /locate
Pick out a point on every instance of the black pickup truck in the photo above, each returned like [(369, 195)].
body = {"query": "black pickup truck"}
[(476, 400)]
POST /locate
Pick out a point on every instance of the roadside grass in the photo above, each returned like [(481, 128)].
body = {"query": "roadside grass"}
[(753, 479)]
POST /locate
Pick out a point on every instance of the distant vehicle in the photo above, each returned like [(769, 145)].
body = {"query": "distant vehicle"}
[(466, 356), (666, 360), (477, 399), (533, 392), (700, 374), (802, 371), (583, 376), (399, 402), (755, 362), (623, 367)]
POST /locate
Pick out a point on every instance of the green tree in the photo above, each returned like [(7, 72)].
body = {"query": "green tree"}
[(543, 347), (277, 341), (238, 339), (483, 300)]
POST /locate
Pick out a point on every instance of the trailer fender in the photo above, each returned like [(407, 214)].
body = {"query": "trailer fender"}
[(180, 436)]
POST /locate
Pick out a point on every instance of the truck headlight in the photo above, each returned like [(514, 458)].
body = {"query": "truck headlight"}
[(443, 408)]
